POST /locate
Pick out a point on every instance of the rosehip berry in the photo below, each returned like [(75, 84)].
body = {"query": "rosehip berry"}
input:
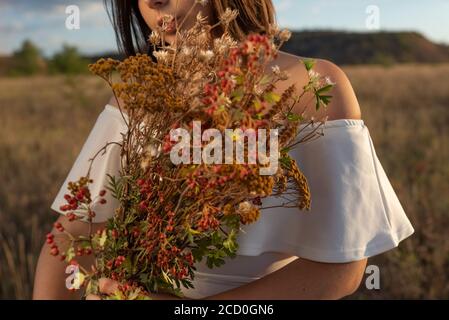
[(102, 193), (54, 251), (73, 262)]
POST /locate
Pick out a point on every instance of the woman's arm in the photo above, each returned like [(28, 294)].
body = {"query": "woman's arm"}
[(50, 278), (301, 279)]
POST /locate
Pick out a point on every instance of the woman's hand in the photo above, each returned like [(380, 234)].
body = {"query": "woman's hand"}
[(109, 287)]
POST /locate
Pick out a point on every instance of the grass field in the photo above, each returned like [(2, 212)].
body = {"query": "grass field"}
[(45, 120)]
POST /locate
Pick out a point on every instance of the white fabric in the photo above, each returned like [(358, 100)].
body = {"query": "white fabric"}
[(108, 128), (355, 212)]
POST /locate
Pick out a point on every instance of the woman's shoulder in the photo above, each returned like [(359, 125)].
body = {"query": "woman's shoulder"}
[(113, 101), (344, 103)]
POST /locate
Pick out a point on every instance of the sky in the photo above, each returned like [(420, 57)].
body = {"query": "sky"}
[(44, 21)]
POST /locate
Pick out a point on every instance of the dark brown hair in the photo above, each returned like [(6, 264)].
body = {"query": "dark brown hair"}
[(132, 32)]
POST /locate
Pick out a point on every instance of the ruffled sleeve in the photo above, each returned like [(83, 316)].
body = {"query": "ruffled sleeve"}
[(108, 128), (355, 212)]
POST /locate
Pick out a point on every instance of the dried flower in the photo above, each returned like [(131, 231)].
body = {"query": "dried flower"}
[(229, 15), (162, 56), (155, 38), (285, 35), (206, 55)]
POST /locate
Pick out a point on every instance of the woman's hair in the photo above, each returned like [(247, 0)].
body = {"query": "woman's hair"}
[(132, 32)]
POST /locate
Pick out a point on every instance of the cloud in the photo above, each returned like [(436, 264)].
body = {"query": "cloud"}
[(15, 26), (33, 5)]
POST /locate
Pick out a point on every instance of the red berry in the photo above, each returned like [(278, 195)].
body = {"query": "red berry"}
[(102, 193), (54, 251), (103, 201), (73, 262)]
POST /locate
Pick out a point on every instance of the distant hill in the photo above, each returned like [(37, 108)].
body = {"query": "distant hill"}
[(341, 47), (344, 47), (366, 48)]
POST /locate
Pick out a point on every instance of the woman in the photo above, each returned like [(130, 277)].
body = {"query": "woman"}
[(286, 254)]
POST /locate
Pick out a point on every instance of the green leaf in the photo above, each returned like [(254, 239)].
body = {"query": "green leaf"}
[(285, 162), (325, 89), (230, 242), (272, 97), (70, 254), (239, 79), (294, 117), (237, 95), (103, 238), (309, 64), (265, 79), (326, 99), (257, 104), (285, 150)]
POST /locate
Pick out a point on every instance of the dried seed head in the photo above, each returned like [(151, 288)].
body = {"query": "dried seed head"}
[(229, 15), (162, 56), (154, 38), (285, 35)]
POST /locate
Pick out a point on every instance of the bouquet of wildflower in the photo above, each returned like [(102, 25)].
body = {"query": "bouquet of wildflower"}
[(182, 197)]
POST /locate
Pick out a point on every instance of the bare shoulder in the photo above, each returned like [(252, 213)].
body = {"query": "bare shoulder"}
[(344, 103), (113, 101)]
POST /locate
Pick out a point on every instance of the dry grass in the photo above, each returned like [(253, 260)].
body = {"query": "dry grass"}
[(45, 120)]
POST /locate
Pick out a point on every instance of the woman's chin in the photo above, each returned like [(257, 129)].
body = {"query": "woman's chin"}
[(170, 38)]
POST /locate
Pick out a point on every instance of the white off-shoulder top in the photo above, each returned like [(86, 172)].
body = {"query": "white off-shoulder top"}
[(355, 213)]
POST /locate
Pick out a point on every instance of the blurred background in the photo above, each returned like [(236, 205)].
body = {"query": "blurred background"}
[(396, 54)]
